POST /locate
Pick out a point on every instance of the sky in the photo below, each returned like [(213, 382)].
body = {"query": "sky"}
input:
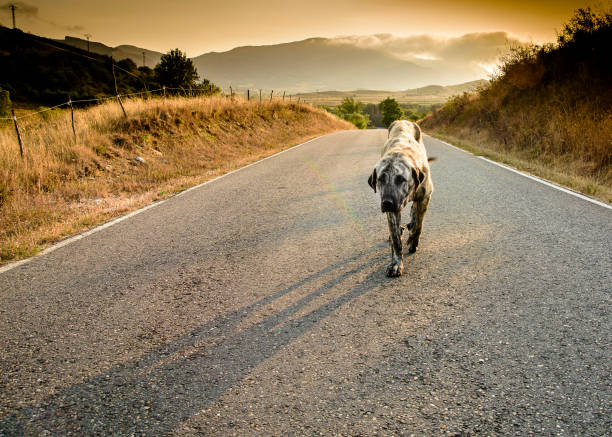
[(200, 26)]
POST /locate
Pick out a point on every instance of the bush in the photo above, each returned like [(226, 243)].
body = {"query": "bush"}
[(350, 110), (359, 120)]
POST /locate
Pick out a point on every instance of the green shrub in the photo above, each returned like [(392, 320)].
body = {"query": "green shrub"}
[(359, 120)]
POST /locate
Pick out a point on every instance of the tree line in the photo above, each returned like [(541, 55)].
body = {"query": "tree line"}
[(377, 115)]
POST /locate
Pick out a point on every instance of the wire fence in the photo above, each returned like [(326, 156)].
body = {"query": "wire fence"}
[(162, 92)]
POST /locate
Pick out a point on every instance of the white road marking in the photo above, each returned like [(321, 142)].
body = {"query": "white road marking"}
[(542, 181), (77, 237)]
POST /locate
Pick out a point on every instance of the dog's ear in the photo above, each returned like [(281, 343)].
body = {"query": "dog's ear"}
[(372, 180), (432, 159), (420, 186)]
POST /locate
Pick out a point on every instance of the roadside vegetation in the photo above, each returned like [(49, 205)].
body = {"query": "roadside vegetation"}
[(382, 114), (548, 111), (118, 164)]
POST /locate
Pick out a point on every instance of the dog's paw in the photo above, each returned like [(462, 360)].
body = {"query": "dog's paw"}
[(394, 270), (412, 245)]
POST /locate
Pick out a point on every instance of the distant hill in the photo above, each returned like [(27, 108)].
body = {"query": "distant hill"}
[(120, 52), (430, 94), (340, 63), (309, 65), (45, 71)]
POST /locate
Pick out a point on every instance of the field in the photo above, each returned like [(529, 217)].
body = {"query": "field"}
[(428, 95), (65, 185)]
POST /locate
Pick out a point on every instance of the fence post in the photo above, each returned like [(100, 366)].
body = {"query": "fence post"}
[(231, 93), (72, 117), (290, 97), (248, 95), (164, 89), (18, 135), (260, 96), (283, 96), (271, 92), (117, 91)]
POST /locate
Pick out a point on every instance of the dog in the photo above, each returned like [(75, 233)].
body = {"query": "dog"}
[(402, 175)]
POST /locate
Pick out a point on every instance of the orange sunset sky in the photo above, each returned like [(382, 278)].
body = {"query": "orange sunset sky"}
[(202, 26)]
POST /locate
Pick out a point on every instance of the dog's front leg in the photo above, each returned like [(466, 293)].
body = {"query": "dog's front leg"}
[(417, 214), (395, 232)]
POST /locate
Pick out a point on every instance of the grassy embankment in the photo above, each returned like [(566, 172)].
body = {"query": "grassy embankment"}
[(548, 112), (62, 187)]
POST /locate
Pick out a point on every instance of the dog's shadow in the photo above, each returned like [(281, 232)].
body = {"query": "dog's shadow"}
[(155, 393)]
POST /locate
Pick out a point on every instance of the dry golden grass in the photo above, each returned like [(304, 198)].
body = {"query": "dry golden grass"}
[(549, 110), (63, 186)]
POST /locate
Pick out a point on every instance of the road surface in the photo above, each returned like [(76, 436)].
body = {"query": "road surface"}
[(258, 305)]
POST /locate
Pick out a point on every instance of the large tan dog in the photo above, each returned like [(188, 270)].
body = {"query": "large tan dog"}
[(401, 176)]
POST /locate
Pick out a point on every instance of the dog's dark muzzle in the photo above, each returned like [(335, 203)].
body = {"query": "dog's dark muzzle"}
[(388, 205)]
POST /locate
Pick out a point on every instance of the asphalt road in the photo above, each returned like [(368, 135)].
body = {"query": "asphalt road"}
[(258, 305)]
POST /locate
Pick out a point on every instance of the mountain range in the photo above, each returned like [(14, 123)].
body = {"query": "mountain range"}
[(342, 63)]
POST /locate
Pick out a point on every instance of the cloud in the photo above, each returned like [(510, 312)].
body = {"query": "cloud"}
[(480, 47), (76, 28), (472, 53), (22, 8)]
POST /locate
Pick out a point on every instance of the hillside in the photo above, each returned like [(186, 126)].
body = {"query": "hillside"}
[(308, 65), (427, 95), (119, 52), (549, 110), (116, 165), (45, 71)]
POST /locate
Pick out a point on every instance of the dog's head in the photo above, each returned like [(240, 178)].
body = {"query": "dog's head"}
[(397, 181)]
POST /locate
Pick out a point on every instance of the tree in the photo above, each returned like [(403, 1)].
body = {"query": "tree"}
[(349, 106), (208, 88), (175, 70), (391, 111)]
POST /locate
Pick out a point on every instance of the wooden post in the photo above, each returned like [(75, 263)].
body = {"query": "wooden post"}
[(121, 104), (271, 92), (117, 91), (283, 96), (18, 136), (164, 88), (260, 96), (72, 117), (290, 97), (248, 95), (231, 93)]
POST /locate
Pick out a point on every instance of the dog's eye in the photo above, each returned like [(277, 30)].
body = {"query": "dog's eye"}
[(383, 178), (399, 180)]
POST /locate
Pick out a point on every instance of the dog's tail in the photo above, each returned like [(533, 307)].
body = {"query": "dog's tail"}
[(432, 159)]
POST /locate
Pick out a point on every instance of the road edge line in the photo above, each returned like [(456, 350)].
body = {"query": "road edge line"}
[(527, 175), (119, 219), (545, 182)]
